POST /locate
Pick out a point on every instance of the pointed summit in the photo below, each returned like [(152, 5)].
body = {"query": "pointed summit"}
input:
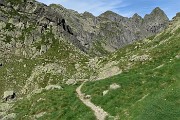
[(137, 19), (108, 13), (88, 14), (136, 16), (158, 10), (156, 21), (178, 14), (157, 13), (111, 15)]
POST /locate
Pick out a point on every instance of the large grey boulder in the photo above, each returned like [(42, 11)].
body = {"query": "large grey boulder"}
[(52, 87), (9, 95)]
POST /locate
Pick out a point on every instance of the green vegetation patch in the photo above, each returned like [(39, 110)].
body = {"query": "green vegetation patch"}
[(56, 104)]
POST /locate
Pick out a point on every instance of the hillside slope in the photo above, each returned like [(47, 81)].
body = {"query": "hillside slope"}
[(149, 86)]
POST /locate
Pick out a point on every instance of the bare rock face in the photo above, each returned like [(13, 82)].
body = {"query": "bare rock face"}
[(32, 28), (34, 23), (156, 21), (110, 31), (117, 31)]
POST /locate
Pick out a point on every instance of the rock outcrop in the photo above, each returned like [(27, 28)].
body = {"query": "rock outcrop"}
[(9, 95)]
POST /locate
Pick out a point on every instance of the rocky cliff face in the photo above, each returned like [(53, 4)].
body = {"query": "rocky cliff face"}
[(110, 31), (30, 28), (32, 22)]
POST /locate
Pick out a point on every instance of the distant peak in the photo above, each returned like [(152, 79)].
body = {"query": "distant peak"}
[(178, 14), (88, 14), (157, 13), (157, 10), (136, 16), (56, 6), (107, 13)]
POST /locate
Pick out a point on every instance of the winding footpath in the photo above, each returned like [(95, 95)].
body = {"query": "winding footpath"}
[(98, 111)]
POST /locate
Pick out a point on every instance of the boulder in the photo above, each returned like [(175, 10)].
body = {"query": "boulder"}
[(52, 87), (105, 92), (177, 56), (71, 82), (87, 97), (9, 95), (114, 86)]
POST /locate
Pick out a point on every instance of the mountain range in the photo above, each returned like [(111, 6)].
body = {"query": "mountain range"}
[(58, 64)]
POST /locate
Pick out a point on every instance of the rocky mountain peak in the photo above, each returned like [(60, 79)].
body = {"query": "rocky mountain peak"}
[(88, 14), (136, 17), (107, 13), (58, 6), (176, 17), (177, 14), (157, 10), (156, 21), (110, 15), (157, 13)]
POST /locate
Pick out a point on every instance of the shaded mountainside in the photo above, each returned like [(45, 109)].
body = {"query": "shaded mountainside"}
[(110, 31), (46, 54)]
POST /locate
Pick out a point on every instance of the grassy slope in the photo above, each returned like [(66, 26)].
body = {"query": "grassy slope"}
[(147, 92), (58, 105)]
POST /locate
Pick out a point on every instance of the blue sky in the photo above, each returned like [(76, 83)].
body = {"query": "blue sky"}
[(123, 7)]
